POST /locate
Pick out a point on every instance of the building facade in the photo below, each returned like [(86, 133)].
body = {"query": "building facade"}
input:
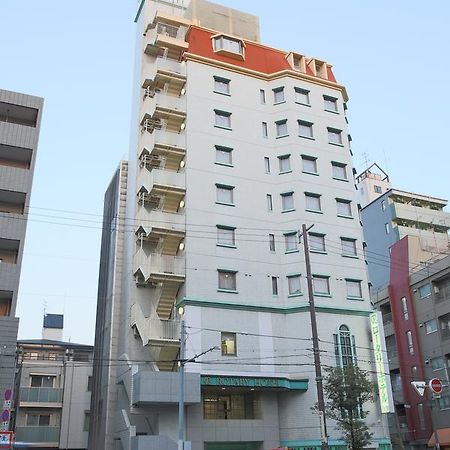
[(20, 118), (235, 145), (53, 391), (416, 317), (393, 214)]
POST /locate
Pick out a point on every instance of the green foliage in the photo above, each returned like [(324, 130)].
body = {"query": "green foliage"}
[(347, 389)]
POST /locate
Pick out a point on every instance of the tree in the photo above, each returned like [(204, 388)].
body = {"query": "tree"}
[(347, 389)]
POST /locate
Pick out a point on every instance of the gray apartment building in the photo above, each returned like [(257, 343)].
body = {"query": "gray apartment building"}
[(418, 351), (53, 390), (20, 119)]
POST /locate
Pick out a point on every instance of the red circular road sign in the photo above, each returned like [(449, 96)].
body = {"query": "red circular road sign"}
[(435, 385)]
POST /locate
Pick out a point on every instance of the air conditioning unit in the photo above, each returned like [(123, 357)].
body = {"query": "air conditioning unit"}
[(436, 289)]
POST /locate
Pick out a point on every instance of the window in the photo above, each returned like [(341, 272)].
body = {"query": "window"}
[(52, 356), (227, 44), (87, 418), (377, 189), (353, 288), (431, 326), (305, 129), (409, 341), (222, 119), (421, 416), (317, 242), (278, 95), (312, 202), (301, 96), (228, 341), (226, 406), (330, 103), (221, 85), (383, 205), (345, 347), (285, 163), (287, 202), (224, 155), (281, 127), (40, 420), (45, 381), (89, 383), (321, 285), (444, 402), (265, 133), (404, 308), (425, 291), (269, 202), (309, 164), (267, 164), (387, 229), (226, 236), (272, 242), (224, 194), (290, 240), (344, 207), (274, 285), (437, 363), (339, 171), (334, 136), (348, 246), (227, 280), (262, 96), (294, 285)]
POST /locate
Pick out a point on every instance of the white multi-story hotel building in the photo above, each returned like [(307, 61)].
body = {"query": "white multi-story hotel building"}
[(235, 145)]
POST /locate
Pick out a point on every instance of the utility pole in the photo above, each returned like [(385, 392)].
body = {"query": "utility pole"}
[(315, 340), (181, 387)]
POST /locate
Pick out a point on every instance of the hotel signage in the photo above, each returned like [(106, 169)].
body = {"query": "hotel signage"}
[(382, 367), (253, 382)]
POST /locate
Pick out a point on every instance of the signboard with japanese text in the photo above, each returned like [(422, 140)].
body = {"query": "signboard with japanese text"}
[(381, 363)]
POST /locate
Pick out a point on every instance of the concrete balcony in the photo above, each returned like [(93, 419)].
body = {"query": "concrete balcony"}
[(154, 331), (164, 138), (162, 387), (152, 442), (41, 397), (162, 101), (156, 267), (429, 240), (167, 74), (162, 35), (421, 215), (156, 184), (9, 276), (46, 436), (157, 219)]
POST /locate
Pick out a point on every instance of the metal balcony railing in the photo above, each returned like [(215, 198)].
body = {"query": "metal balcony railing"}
[(41, 395), (37, 434)]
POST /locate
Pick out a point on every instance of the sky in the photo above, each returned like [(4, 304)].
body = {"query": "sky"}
[(393, 58)]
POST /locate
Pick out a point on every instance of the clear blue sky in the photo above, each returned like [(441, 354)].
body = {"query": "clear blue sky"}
[(393, 58)]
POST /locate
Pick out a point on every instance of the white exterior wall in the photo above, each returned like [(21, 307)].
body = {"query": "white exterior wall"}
[(252, 260)]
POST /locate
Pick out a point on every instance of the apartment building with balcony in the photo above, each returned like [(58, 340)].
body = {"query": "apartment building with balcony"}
[(20, 119), (53, 390), (416, 317), (235, 145), (389, 214)]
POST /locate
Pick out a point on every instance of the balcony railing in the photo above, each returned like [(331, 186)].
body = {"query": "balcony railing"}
[(445, 333), (161, 178), (37, 434), (155, 263), (40, 395), (158, 219), (160, 99)]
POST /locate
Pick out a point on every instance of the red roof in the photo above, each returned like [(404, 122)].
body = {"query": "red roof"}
[(257, 57)]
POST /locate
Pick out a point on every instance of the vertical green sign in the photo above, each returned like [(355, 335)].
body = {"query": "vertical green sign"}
[(384, 385)]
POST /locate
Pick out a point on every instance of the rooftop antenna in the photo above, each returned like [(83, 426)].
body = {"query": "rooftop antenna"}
[(44, 306), (366, 157)]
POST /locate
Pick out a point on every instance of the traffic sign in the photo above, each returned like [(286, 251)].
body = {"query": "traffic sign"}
[(419, 386), (435, 385), (6, 439)]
